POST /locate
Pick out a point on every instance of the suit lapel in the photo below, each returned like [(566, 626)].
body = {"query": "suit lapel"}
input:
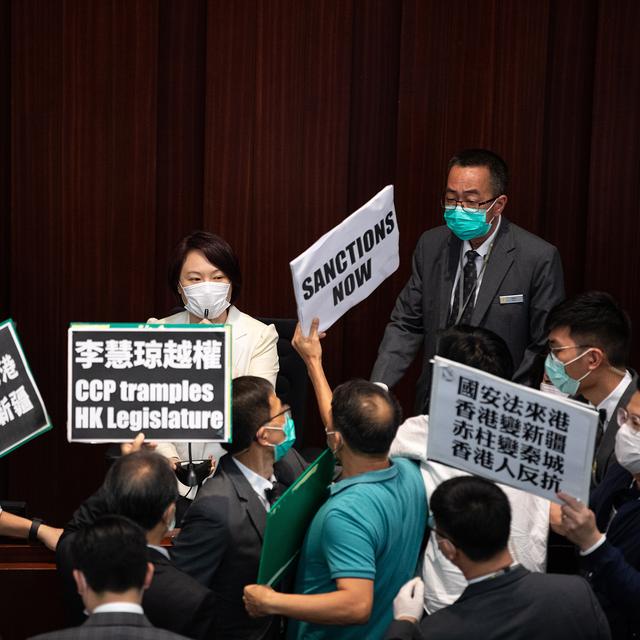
[(499, 262), (247, 496), (448, 267), (607, 445)]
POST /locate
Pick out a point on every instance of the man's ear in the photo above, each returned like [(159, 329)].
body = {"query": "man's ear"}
[(262, 436), (148, 577), (169, 514), (500, 205), (81, 582), (595, 358), (449, 550)]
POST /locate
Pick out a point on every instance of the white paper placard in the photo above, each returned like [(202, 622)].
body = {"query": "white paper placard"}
[(348, 263), (509, 433)]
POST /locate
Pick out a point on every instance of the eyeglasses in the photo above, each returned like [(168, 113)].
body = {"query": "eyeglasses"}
[(572, 346), (624, 417), (467, 206), (286, 411), (432, 525)]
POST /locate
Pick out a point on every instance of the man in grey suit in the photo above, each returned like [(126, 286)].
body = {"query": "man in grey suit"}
[(111, 573), (480, 269), (502, 600)]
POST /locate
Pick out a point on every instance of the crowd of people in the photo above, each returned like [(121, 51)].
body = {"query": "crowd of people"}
[(403, 546)]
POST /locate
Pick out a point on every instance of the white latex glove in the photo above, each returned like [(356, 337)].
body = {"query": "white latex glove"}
[(409, 603)]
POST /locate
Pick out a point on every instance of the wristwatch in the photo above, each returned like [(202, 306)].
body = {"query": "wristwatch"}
[(33, 531)]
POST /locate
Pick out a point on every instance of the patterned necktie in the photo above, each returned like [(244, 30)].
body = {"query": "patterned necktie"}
[(470, 276)]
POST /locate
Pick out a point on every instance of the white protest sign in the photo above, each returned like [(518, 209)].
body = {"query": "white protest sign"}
[(508, 433), (348, 263)]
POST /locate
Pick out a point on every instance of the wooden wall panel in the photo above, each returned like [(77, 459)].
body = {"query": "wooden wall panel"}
[(133, 122), (565, 158), (182, 34), (612, 262), (372, 154), (5, 155), (84, 119), (37, 469)]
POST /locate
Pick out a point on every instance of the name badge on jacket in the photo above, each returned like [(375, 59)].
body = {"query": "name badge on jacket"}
[(514, 299)]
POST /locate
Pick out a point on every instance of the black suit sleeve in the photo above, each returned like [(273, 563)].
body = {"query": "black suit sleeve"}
[(204, 538), (547, 291), (404, 333), (403, 630)]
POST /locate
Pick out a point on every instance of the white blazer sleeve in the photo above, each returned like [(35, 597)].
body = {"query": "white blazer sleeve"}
[(263, 361)]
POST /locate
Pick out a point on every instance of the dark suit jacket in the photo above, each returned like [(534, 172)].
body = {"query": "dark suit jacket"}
[(614, 568), (174, 601), (520, 263), (112, 626), (518, 605), (221, 541), (605, 455)]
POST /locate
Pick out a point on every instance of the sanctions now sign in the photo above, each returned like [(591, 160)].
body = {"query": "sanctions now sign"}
[(348, 263)]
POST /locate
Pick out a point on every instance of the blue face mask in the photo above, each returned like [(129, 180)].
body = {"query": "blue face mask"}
[(289, 430), (558, 375), (467, 226)]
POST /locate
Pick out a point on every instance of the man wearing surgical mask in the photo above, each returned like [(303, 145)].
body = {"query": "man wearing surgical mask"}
[(222, 533), (589, 338), (477, 269), (610, 546)]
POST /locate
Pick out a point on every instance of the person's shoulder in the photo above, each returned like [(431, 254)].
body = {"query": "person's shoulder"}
[(169, 581), (526, 240), (246, 322), (553, 585), (434, 236)]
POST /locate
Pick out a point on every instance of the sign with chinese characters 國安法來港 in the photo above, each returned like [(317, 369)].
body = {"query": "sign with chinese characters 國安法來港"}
[(509, 433)]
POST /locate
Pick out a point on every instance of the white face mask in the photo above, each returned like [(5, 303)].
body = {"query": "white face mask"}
[(628, 448), (206, 299), (552, 389)]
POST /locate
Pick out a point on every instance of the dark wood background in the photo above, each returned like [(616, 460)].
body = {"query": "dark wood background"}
[(126, 123)]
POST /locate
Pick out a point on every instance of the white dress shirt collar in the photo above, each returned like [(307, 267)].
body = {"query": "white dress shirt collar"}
[(258, 483), (161, 550), (610, 403), (118, 607)]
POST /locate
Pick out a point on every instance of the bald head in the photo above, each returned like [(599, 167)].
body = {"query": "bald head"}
[(366, 416), (141, 486)]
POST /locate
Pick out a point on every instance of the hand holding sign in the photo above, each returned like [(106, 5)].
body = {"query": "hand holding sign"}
[(578, 522), (308, 347)]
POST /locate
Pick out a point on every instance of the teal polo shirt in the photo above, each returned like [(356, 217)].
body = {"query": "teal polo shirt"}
[(370, 527)]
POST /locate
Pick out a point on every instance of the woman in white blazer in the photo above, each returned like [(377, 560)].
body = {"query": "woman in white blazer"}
[(205, 274)]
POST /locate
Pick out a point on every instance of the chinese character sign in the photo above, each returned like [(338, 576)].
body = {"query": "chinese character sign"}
[(348, 263), (22, 412), (168, 382), (512, 434)]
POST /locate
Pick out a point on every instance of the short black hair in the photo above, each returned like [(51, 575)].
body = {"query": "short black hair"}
[(250, 410), (476, 347), (216, 250), (141, 486), (474, 514), (484, 158), (111, 553), (595, 319), (366, 416)]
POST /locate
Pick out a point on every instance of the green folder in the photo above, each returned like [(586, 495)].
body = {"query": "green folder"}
[(290, 517)]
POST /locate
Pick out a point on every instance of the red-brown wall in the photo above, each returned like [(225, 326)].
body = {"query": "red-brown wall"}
[(126, 123)]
